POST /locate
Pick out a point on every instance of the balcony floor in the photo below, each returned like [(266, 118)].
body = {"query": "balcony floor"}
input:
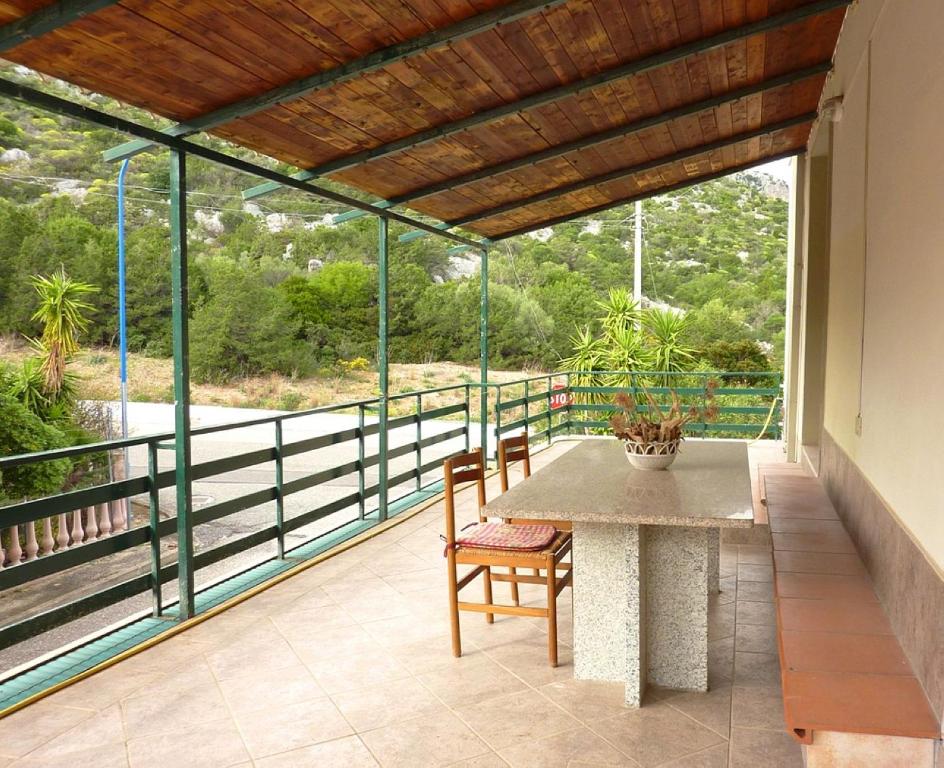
[(348, 663)]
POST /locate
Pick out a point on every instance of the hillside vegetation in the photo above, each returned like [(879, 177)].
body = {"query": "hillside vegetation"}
[(275, 289)]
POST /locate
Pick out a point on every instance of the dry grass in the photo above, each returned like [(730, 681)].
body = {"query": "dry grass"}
[(151, 380)]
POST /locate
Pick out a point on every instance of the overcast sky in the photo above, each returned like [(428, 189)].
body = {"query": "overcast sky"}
[(782, 169)]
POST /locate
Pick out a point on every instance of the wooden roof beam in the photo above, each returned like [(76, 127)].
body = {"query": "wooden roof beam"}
[(543, 98), (586, 142), (48, 19), (632, 170), (611, 134), (691, 182), (60, 106), (437, 38)]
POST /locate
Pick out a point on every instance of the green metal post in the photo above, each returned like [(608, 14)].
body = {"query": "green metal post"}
[(180, 306), (279, 498), (527, 391), (360, 462), (468, 416), (498, 413), (419, 439), (154, 508), (569, 413), (382, 363), (550, 413), (483, 352)]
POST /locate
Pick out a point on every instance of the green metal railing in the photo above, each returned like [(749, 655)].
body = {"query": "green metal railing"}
[(65, 506), (748, 404), (547, 405)]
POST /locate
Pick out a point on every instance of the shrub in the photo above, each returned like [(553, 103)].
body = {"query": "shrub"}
[(23, 432)]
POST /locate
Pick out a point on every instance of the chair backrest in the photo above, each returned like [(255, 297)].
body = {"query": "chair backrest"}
[(463, 468), (513, 449)]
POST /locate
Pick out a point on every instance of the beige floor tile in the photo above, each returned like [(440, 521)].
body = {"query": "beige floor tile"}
[(587, 700), (528, 660), (261, 648), (721, 622), (523, 716), (305, 626), (419, 581), (379, 705), (349, 673), (470, 679), (102, 729), (753, 555), (579, 747), (757, 591), (348, 752), (756, 669), (104, 756), (756, 613), (332, 642), (720, 661), (770, 749), (429, 741), (215, 745), (491, 760), (713, 757), (395, 559), (164, 709), (270, 731), (656, 734), (756, 638), (431, 654), (711, 709), (748, 572), (263, 689), (407, 629), (758, 707), (104, 688)]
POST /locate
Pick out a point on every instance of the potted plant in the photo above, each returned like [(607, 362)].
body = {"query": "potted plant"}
[(651, 436)]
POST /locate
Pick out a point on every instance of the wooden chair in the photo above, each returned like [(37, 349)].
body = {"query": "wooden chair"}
[(470, 467), (518, 449)]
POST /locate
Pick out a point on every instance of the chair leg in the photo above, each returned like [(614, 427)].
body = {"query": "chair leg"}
[(454, 604), (489, 617), (551, 612), (514, 586)]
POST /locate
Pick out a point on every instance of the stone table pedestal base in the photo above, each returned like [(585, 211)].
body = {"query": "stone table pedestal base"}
[(641, 604)]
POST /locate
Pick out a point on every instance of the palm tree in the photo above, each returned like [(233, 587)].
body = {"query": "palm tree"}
[(665, 330), (60, 311), (587, 357), (620, 311)]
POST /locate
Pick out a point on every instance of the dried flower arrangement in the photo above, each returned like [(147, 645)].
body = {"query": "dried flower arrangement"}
[(649, 424)]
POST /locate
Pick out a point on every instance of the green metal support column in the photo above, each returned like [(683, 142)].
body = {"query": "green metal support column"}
[(382, 362), (483, 353), (180, 304)]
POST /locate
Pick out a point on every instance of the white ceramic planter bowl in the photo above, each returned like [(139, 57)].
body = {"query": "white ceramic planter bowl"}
[(651, 456)]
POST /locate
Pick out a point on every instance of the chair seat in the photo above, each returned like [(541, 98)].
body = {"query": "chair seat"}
[(560, 538), (507, 536)]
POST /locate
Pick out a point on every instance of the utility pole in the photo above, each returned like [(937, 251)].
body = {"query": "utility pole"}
[(637, 256)]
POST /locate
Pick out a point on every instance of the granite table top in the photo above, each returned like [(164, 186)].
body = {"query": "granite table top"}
[(707, 486)]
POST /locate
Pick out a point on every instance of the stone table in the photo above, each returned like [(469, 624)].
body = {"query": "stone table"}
[(645, 554)]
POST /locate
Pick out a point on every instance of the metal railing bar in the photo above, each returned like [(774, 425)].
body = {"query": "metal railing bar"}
[(301, 483), (323, 511), (232, 506), (321, 441), (36, 509), (56, 562)]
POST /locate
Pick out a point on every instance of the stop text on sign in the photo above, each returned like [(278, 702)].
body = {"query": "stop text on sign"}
[(560, 397)]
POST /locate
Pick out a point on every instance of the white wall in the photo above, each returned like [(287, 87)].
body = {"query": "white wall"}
[(886, 265)]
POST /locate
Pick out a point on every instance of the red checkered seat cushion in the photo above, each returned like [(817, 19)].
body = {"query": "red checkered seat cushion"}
[(507, 536)]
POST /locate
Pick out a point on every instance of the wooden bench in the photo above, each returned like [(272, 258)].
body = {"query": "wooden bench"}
[(849, 693)]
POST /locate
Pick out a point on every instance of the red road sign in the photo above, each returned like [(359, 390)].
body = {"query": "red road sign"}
[(560, 397)]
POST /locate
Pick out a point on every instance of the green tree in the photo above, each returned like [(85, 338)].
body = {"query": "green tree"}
[(23, 432), (62, 312), (244, 327)]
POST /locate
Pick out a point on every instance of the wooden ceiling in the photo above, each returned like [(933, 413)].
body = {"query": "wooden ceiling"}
[(560, 109)]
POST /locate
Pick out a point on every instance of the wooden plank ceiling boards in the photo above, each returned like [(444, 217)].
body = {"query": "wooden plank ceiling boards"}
[(498, 116)]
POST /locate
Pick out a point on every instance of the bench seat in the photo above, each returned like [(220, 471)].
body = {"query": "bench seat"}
[(843, 670)]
